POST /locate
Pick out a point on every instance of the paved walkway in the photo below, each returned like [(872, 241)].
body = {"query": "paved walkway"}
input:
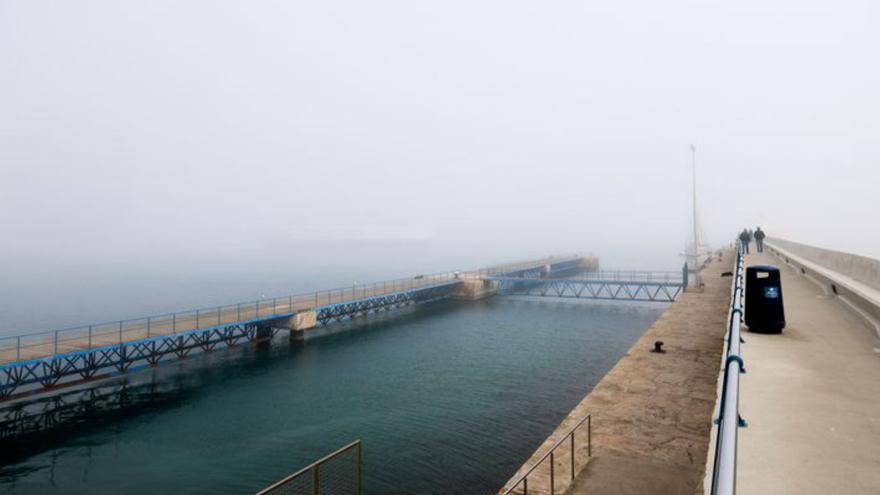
[(811, 397)]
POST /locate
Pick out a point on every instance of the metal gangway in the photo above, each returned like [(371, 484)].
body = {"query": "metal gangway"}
[(609, 285), (35, 362)]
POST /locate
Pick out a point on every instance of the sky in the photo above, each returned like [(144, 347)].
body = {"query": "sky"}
[(161, 131)]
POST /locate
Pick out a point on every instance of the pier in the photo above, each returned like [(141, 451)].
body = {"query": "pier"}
[(810, 394), (651, 414), (804, 411)]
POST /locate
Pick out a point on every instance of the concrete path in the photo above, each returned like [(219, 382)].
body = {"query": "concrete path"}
[(811, 397)]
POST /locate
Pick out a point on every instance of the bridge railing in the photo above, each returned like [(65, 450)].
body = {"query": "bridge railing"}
[(632, 275), (40, 344), (729, 420), (86, 337)]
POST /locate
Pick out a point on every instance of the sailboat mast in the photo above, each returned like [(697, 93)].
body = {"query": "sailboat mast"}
[(696, 251)]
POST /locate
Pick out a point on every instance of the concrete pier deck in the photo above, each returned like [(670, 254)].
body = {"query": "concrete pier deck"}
[(652, 413), (811, 397)]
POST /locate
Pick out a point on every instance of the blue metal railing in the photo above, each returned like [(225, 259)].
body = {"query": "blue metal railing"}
[(729, 420)]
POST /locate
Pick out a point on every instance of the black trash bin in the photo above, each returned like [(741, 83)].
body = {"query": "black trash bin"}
[(764, 310)]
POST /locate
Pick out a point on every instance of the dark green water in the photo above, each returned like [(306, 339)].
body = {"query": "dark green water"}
[(446, 398)]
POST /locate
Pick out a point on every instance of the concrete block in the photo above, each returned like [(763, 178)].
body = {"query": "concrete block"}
[(304, 320), (472, 289)]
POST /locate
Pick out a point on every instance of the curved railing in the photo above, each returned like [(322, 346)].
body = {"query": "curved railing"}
[(729, 420)]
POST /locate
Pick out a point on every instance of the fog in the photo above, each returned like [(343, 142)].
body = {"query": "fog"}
[(182, 133)]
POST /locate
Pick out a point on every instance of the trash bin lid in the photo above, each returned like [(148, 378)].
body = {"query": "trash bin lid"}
[(766, 268)]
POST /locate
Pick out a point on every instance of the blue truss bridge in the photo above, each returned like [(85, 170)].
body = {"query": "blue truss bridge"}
[(599, 285), (40, 362)]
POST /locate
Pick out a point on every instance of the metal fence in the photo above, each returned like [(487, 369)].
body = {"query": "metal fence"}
[(553, 462), (338, 473), (729, 420), (41, 344)]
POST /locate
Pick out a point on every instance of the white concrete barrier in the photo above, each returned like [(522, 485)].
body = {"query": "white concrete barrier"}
[(855, 279), (860, 268)]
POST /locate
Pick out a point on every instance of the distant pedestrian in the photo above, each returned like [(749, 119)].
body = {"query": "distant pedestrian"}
[(759, 239), (745, 238)]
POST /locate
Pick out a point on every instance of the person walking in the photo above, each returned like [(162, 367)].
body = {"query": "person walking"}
[(759, 239), (745, 238)]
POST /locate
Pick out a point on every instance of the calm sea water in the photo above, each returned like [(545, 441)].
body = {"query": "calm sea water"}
[(450, 396)]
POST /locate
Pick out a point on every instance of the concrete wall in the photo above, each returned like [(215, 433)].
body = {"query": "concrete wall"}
[(863, 269), (838, 271)]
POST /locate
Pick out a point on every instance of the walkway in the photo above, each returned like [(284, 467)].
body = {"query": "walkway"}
[(812, 398)]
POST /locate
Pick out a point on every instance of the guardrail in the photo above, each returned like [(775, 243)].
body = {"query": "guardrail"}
[(569, 437), (310, 480), (729, 420), (22, 347)]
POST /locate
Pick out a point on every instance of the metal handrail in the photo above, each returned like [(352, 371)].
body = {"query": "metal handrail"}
[(314, 472), (729, 420), (524, 478)]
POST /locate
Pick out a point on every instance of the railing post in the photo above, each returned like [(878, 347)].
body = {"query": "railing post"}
[(589, 435), (315, 479), (197, 318), (218, 315), (552, 472), (149, 320), (174, 323), (90, 337), (120, 333), (18, 346), (359, 461), (56, 342), (238, 311), (572, 455)]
